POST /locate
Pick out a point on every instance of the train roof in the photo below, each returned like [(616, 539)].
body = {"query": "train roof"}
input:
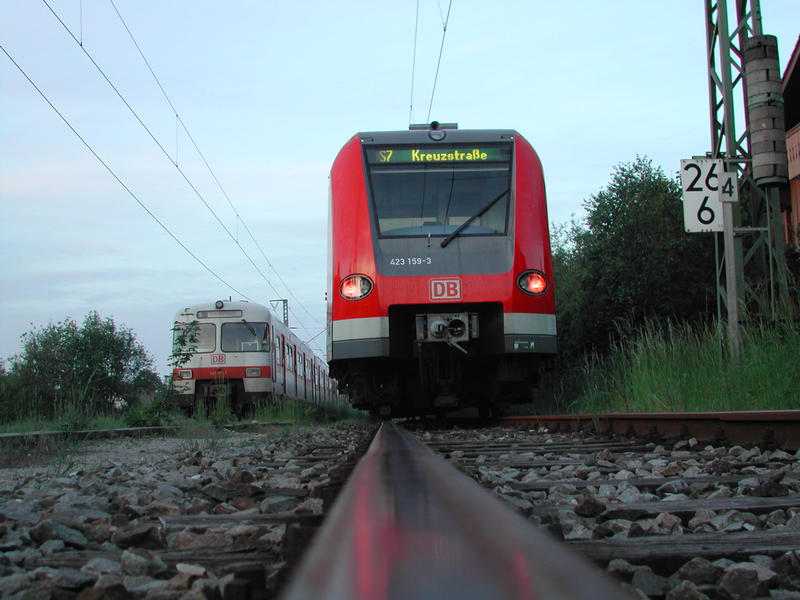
[(242, 305), (446, 135)]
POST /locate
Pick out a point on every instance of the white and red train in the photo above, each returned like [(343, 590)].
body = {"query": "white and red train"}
[(440, 290), (241, 352)]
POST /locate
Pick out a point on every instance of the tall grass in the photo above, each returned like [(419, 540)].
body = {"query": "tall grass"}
[(70, 415), (676, 368), (76, 415), (301, 412)]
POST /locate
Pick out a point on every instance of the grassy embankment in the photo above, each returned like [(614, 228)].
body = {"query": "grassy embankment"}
[(72, 417), (205, 429), (680, 368)]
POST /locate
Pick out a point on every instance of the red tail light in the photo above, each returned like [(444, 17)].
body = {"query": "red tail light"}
[(532, 283), (355, 287)]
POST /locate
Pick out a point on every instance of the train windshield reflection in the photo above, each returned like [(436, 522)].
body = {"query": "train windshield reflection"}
[(436, 199), (194, 337), (245, 337)]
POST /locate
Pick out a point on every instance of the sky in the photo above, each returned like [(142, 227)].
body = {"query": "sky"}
[(269, 92)]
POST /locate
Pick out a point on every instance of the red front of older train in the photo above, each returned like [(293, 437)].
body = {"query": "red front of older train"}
[(440, 280)]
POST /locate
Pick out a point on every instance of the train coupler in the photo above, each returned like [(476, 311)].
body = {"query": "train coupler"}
[(450, 328)]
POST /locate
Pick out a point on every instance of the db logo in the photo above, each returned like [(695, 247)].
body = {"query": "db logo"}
[(217, 359), (445, 289)]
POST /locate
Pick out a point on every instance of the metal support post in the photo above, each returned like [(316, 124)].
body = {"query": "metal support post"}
[(738, 59), (285, 303), (731, 287)]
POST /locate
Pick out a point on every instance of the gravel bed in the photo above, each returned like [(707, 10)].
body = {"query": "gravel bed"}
[(163, 518), (589, 495)]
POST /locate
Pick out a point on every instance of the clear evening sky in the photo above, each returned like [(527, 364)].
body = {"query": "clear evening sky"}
[(270, 91)]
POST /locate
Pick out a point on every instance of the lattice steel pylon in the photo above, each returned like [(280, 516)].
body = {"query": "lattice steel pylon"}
[(285, 304), (738, 59)]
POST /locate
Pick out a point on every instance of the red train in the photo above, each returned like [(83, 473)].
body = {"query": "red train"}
[(440, 279)]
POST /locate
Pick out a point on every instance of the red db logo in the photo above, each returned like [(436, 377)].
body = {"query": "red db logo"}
[(445, 289)]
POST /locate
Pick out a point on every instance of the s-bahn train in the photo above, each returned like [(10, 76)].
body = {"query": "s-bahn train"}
[(440, 292), (243, 354)]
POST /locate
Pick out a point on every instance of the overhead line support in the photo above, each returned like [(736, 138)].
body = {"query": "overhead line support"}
[(735, 56)]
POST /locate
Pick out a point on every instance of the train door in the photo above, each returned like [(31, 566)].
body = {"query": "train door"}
[(313, 381), (281, 369), (274, 361), (294, 368), (301, 390), (303, 363)]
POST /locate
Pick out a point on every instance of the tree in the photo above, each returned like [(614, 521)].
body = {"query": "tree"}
[(630, 261), (93, 365)]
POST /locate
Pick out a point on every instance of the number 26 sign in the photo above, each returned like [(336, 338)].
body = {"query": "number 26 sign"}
[(705, 186)]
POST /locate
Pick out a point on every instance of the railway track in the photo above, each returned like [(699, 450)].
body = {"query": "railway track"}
[(408, 525), (767, 428), (667, 519), (163, 517), (664, 517)]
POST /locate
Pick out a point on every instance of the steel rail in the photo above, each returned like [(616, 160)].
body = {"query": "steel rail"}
[(409, 525), (29, 437), (769, 427)]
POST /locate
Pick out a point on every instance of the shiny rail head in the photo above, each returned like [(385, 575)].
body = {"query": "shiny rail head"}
[(409, 525)]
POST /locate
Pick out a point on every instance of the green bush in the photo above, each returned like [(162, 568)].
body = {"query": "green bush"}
[(159, 412), (628, 262), (93, 364)]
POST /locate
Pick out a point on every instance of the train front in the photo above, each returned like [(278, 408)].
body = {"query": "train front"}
[(222, 354), (440, 279)]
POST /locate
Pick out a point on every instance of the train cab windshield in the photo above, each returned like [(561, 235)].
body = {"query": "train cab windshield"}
[(434, 190), (194, 337), (245, 337)]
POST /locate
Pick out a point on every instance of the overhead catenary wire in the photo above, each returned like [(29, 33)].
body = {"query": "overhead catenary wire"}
[(413, 68), (166, 153), (119, 180), (179, 120), (439, 61)]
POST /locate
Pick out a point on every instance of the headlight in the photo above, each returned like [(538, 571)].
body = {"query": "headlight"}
[(252, 372), (532, 283), (355, 287), (184, 373)]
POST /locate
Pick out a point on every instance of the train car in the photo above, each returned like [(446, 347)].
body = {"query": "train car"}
[(440, 291), (242, 353)]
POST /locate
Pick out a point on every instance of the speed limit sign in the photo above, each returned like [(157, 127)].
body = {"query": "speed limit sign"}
[(704, 184)]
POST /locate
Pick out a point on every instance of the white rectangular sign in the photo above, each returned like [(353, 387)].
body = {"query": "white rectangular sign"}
[(728, 187), (445, 289), (700, 182)]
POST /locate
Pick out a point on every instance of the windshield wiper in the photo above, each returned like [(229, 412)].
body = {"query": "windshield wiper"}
[(466, 223), (250, 329)]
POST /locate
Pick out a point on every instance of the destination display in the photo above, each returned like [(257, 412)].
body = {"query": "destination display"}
[(438, 154)]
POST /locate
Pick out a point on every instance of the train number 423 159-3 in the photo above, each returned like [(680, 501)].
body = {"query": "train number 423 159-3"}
[(406, 261)]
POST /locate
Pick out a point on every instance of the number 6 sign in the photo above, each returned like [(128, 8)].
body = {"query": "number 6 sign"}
[(703, 182)]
